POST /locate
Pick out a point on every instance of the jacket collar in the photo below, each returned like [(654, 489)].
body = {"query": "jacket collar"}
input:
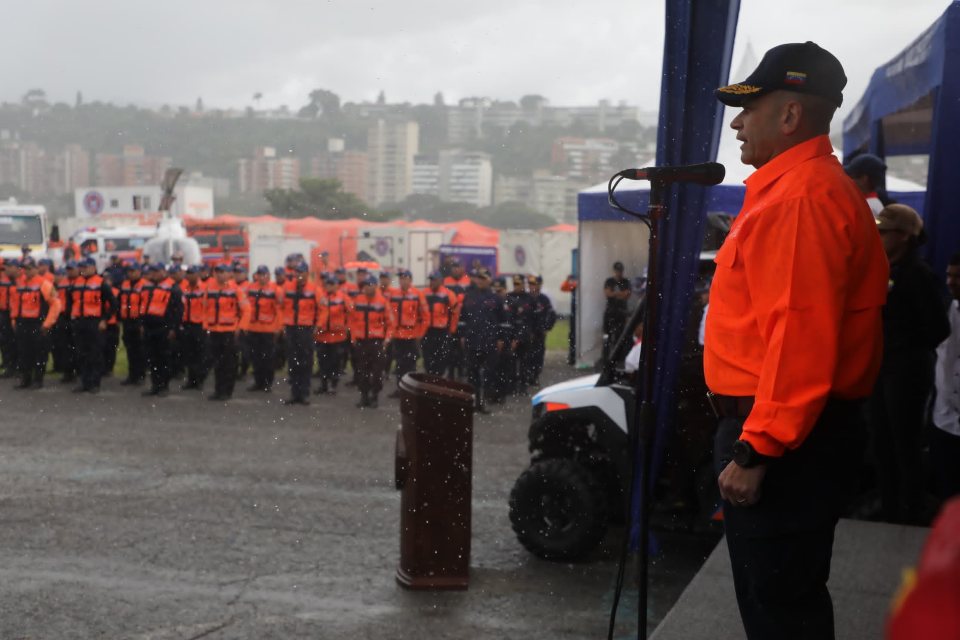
[(792, 157)]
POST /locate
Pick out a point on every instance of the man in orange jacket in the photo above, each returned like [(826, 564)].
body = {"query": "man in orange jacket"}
[(92, 305), (793, 343), (300, 313), (193, 337), (33, 310), (266, 302), (443, 311), (161, 312), (410, 309), (8, 343), (332, 336), (226, 312), (372, 324)]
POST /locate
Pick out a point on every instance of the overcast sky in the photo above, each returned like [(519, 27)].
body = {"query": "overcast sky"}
[(572, 51)]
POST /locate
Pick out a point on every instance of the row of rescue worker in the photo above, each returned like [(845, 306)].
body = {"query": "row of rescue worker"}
[(184, 322)]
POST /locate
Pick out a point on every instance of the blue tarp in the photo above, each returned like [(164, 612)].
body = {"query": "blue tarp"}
[(912, 106)]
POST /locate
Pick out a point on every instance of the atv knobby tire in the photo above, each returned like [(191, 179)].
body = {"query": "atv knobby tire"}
[(558, 510)]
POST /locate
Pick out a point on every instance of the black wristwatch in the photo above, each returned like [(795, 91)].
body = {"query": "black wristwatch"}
[(746, 456)]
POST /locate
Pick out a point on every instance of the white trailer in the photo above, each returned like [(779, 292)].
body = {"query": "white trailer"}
[(272, 250)]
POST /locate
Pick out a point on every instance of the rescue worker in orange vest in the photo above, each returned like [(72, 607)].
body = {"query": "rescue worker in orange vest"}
[(371, 323), (332, 339), (443, 313), (387, 291), (266, 300), (129, 297), (34, 310), (410, 309), (61, 337), (91, 305), (243, 347), (226, 313), (193, 337), (279, 346), (300, 312), (349, 291), (8, 343), (45, 269), (458, 282), (161, 311)]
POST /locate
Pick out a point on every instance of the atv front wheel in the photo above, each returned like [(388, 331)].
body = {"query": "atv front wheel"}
[(558, 510)]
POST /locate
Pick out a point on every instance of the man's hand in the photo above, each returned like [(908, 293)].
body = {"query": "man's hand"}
[(171, 335), (741, 486), (102, 325)]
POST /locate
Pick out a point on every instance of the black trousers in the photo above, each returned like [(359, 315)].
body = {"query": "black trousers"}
[(261, 346), (436, 351), (111, 341), (299, 360), (223, 361), (945, 456), (330, 356), (457, 360), (533, 355), (613, 324), (368, 361), (136, 354), (33, 345), (781, 547), (88, 340), (243, 353), (194, 350), (156, 340), (8, 343), (481, 358), (405, 353), (897, 412), (501, 380)]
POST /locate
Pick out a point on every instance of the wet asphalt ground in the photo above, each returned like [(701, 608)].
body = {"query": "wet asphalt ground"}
[(129, 517)]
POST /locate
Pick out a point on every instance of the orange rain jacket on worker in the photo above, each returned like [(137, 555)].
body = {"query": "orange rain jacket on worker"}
[(193, 302), (794, 314), (225, 307), (443, 310), (332, 318), (155, 297), (410, 311), (35, 298), (130, 298), (7, 287), (87, 298), (300, 305), (371, 318), (266, 301)]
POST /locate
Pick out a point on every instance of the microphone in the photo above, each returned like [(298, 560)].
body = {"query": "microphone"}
[(707, 173)]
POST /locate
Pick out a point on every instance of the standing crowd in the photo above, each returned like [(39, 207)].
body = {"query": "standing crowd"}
[(185, 322)]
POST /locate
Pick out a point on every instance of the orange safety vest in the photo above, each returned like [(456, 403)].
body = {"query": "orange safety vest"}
[(193, 302), (458, 286), (371, 318), (6, 287), (112, 320), (34, 299), (225, 307), (130, 293), (265, 302), (299, 305), (154, 298), (349, 289), (332, 318), (442, 309), (410, 310), (87, 300)]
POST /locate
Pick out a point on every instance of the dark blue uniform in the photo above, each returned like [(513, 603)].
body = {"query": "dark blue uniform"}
[(542, 319), (479, 321), (519, 308)]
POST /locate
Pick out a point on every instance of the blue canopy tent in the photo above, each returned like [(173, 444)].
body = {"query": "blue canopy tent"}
[(912, 107)]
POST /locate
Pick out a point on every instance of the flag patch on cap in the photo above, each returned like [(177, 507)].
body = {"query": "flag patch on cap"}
[(795, 77)]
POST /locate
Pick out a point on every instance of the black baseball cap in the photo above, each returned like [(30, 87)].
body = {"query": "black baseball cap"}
[(803, 67)]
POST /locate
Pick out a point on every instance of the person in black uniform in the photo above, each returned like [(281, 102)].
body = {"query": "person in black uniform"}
[(8, 342), (617, 291), (502, 375), (64, 358), (542, 319), (92, 305), (519, 307), (129, 309), (162, 312), (480, 319)]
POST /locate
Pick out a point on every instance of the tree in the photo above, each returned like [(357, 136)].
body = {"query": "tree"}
[(257, 97), (319, 198), (328, 102), (514, 215), (432, 208)]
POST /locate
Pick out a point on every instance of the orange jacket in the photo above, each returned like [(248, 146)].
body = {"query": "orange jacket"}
[(349, 290), (130, 299), (795, 305), (87, 300), (155, 298), (371, 318), (34, 299), (410, 311), (225, 307), (193, 302), (443, 311), (457, 285), (266, 301), (332, 318), (7, 285), (300, 305)]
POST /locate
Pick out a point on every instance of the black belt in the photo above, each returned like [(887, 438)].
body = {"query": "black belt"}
[(730, 406)]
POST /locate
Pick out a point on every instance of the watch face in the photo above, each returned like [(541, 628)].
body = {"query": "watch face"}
[(741, 453)]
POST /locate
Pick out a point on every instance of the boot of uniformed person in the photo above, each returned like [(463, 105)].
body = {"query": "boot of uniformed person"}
[(372, 324), (8, 343), (111, 335), (542, 319), (332, 335), (193, 337), (266, 299), (458, 282), (129, 313), (300, 313), (443, 315), (226, 313), (34, 309), (91, 305), (410, 309), (243, 347), (161, 311), (480, 318), (519, 309)]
